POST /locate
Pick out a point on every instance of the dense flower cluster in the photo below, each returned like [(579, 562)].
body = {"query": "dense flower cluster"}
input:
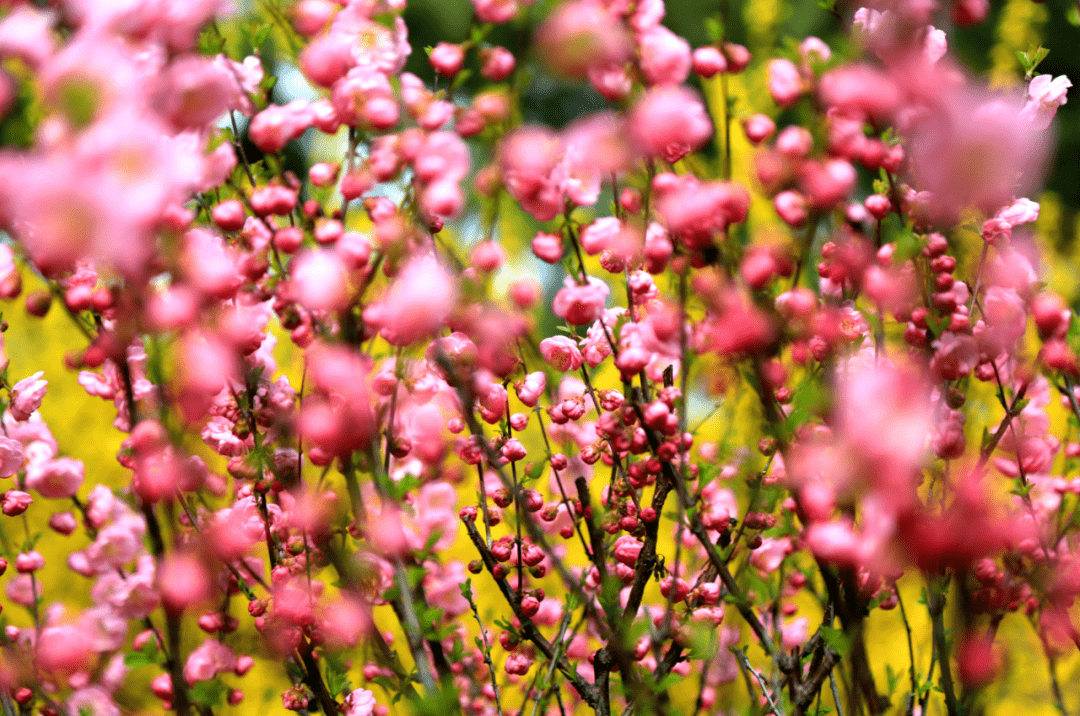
[(548, 431)]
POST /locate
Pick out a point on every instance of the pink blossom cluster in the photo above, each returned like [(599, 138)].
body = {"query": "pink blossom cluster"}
[(447, 440)]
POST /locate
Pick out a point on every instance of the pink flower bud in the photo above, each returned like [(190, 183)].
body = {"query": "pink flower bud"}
[(707, 61), (561, 353), (28, 562), (229, 215), (548, 247), (785, 84), (63, 522), (792, 208), (447, 59), (738, 57), (758, 128), (497, 63), (15, 502), (488, 256), (878, 205), (26, 396)]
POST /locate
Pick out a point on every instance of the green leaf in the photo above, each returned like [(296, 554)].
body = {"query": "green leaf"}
[(668, 682), (147, 656), (259, 38), (714, 28), (466, 590), (210, 694), (1030, 59), (336, 680), (837, 639), (459, 79), (535, 471), (937, 324), (892, 677)]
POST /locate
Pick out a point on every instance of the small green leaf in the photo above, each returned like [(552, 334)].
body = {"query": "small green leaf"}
[(714, 28), (210, 694), (146, 656), (459, 79), (837, 639)]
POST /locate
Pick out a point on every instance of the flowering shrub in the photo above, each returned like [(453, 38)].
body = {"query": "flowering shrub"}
[(456, 447)]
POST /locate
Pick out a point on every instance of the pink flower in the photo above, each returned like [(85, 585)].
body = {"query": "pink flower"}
[(498, 62), (1045, 95), (27, 562), (580, 305), (417, 305), (530, 389), (561, 353), (785, 84), (862, 91), (63, 522), (600, 234), (63, 648), (16, 502), (26, 396), (670, 122), (664, 56), (320, 280), (359, 702), (627, 550), (527, 159), (56, 479), (208, 660), (581, 34), (273, 128), (708, 61), (973, 148), (11, 456), (185, 582), (447, 58)]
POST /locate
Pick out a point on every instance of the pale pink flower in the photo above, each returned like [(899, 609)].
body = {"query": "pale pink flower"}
[(208, 660), (670, 122), (56, 479), (580, 305), (11, 456), (1021, 211), (442, 586), (664, 56), (527, 159), (417, 305), (581, 34), (359, 702), (785, 83), (320, 280), (25, 33), (561, 353), (93, 700), (26, 396), (1045, 94), (273, 128)]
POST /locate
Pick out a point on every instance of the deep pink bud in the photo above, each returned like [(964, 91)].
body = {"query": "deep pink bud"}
[(447, 59), (16, 502), (496, 63), (707, 61)]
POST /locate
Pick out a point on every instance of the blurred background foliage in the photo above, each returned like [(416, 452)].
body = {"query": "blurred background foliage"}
[(82, 424)]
